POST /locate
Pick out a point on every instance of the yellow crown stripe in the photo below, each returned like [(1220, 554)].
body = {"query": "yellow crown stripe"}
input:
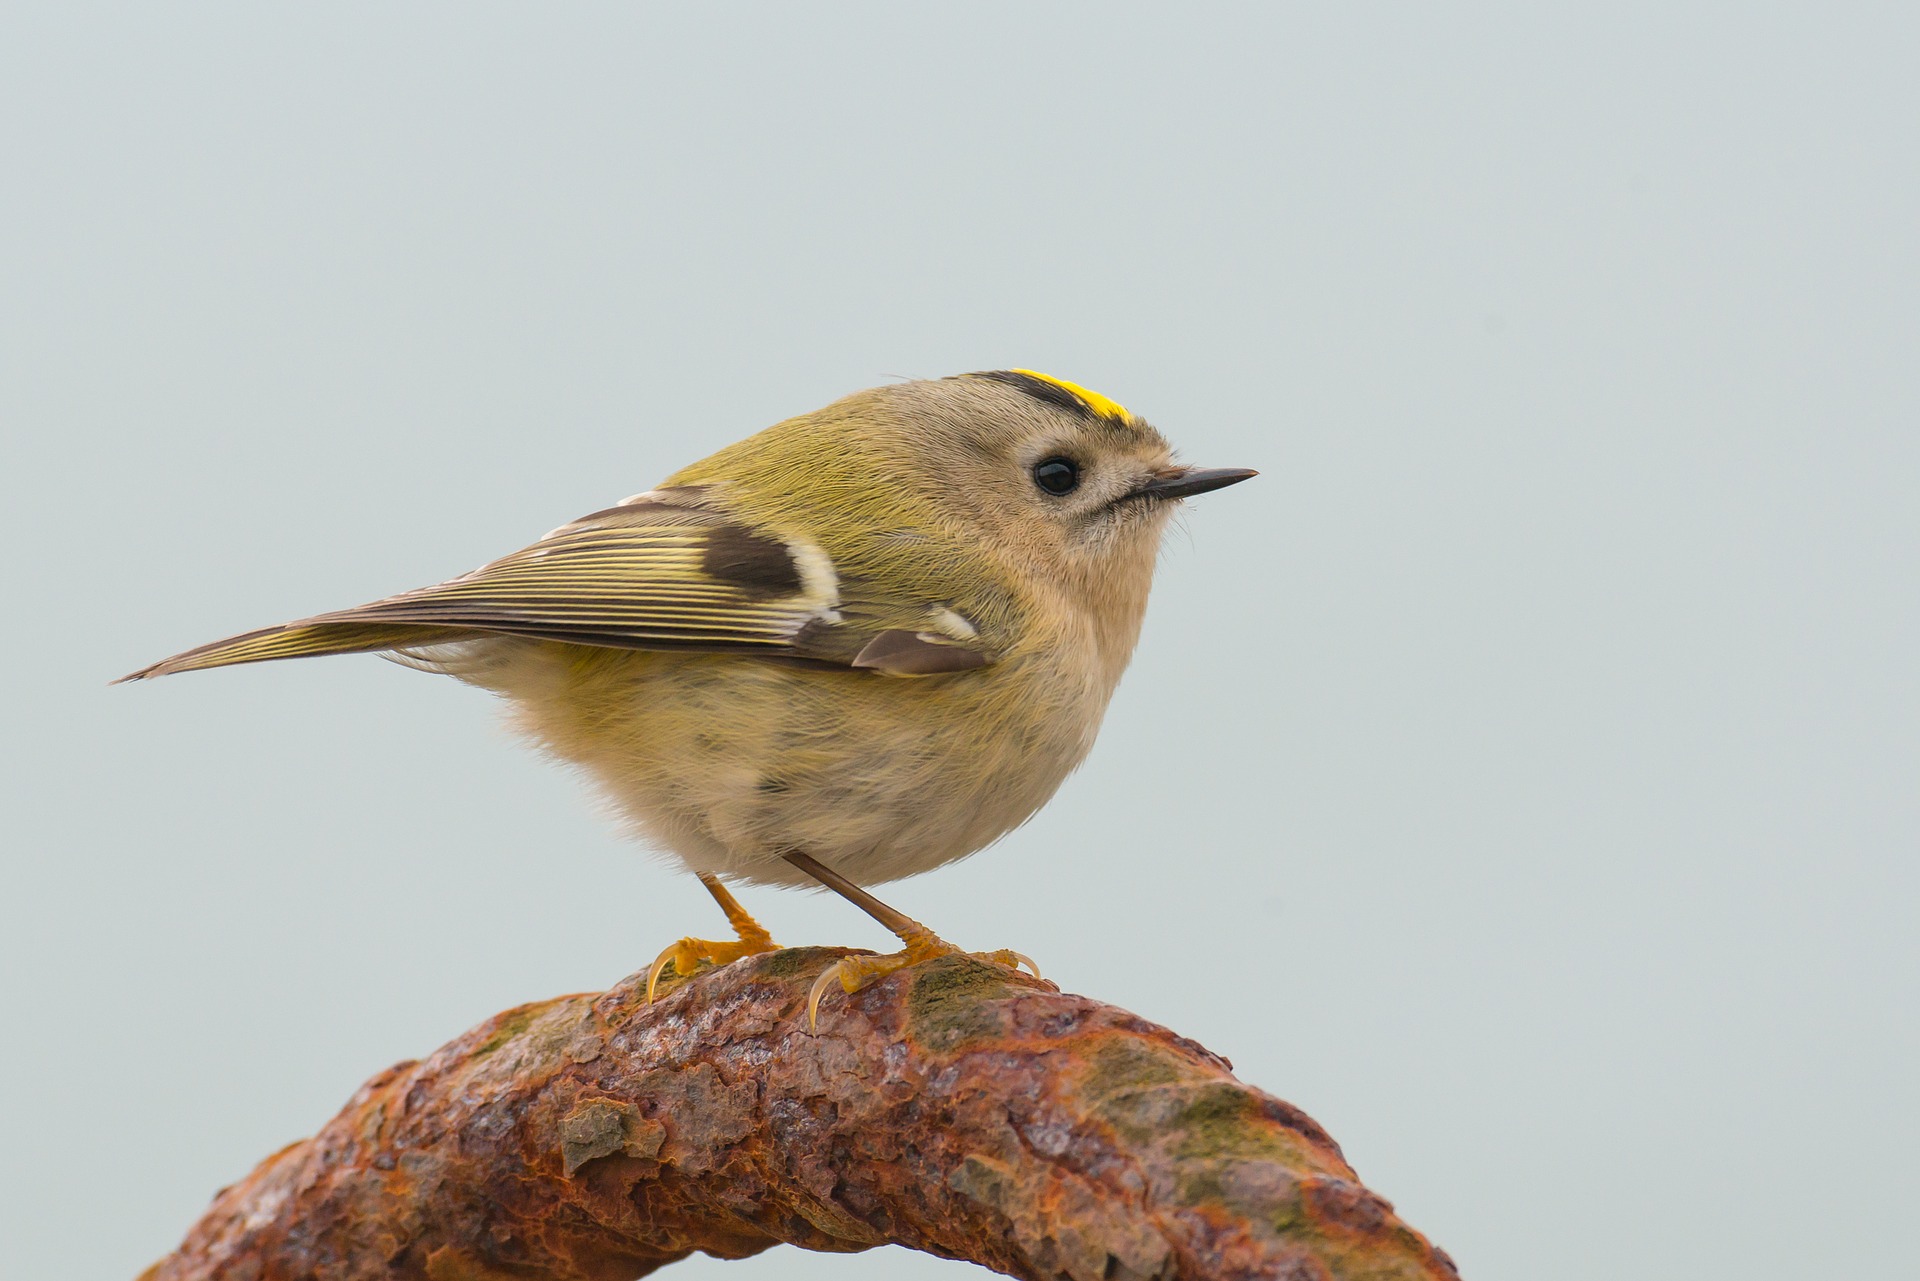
[(1095, 401)]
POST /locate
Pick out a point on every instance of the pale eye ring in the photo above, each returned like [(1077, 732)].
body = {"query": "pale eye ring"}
[(1057, 475)]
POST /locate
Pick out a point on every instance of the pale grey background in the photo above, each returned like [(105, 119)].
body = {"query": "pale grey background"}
[(1519, 776)]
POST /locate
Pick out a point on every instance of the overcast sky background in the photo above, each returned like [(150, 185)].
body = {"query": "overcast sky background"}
[(1520, 776)]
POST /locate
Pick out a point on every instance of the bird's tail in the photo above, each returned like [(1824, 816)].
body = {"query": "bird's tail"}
[(302, 640)]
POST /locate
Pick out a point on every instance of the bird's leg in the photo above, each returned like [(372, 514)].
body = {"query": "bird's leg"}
[(689, 954), (922, 944)]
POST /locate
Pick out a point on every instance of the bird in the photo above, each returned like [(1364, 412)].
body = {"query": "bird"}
[(856, 646)]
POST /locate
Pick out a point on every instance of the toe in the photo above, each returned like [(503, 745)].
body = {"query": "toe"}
[(691, 954), (856, 972)]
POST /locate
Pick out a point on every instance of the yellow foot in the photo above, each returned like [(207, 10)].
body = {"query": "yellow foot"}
[(855, 972), (689, 955)]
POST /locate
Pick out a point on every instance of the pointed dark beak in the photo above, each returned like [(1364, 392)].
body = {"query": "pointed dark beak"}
[(1185, 482)]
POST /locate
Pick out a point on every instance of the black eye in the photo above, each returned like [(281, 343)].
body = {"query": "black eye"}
[(1057, 475)]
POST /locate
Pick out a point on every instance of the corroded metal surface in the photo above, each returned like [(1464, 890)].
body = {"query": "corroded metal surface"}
[(954, 1108)]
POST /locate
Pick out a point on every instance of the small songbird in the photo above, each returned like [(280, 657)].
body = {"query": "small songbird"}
[(858, 645)]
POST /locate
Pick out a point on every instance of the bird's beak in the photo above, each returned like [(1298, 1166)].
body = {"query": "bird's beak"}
[(1185, 482)]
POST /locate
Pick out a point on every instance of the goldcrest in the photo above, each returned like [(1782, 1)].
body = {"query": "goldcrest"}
[(858, 645)]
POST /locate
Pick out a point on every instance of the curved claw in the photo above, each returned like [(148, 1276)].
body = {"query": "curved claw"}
[(660, 963), (819, 989), (1008, 958)]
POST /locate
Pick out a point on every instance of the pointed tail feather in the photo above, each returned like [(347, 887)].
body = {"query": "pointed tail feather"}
[(300, 640)]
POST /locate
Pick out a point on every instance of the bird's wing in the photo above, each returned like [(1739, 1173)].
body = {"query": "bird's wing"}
[(663, 571)]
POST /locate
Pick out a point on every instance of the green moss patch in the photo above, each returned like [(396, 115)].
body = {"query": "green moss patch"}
[(949, 1005), (1222, 1120), (507, 1026), (791, 961), (1128, 1063)]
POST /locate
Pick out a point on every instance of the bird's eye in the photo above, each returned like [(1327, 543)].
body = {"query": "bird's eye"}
[(1057, 475)]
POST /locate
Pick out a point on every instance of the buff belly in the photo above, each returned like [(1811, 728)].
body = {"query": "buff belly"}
[(727, 763)]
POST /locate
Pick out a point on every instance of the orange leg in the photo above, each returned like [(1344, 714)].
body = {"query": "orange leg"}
[(690, 954)]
